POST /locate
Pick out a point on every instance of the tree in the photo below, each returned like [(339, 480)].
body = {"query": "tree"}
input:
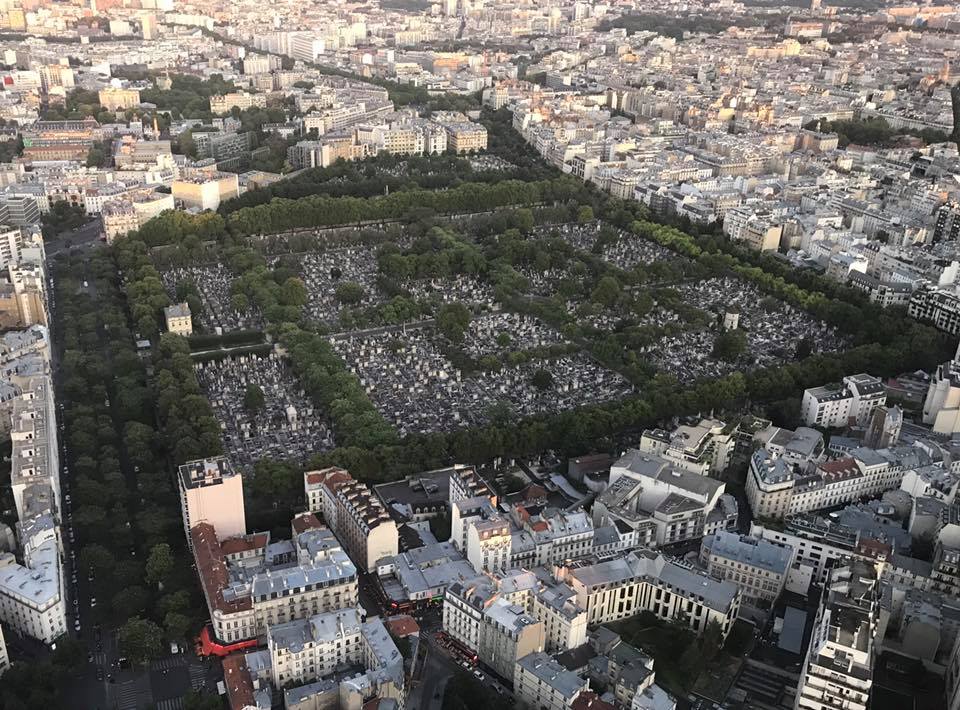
[(195, 700), (730, 345), (97, 558), (349, 293), (585, 214), (130, 601), (253, 399), (176, 625), (141, 640), (159, 563), (542, 380), (452, 321), (607, 291)]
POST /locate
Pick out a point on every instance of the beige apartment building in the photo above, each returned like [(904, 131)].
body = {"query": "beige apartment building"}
[(119, 99), (211, 491), (354, 514), (205, 191)]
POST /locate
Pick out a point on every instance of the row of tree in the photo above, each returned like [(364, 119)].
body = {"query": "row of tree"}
[(125, 509)]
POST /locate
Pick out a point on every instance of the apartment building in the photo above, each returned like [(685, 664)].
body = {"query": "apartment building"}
[(703, 449), (849, 404), (840, 658), (178, 319), (383, 681), (940, 308), (205, 191), (354, 513), (656, 503), (304, 650), (757, 566), (541, 682), (778, 487), (240, 99), (489, 544), (941, 406), (465, 482), (31, 592), (35, 457), (211, 491), (507, 633), (119, 219), (113, 99), (11, 243), (646, 581), (250, 585), (549, 537), (4, 656)]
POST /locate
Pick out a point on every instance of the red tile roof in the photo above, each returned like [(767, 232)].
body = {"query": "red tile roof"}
[(236, 677), (306, 521), (236, 545), (212, 569), (403, 625)]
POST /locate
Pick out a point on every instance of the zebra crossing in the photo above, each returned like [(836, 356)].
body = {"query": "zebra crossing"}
[(171, 704), (165, 664), (198, 677), (130, 696)]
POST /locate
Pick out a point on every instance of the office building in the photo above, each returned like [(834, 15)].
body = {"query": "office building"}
[(211, 491)]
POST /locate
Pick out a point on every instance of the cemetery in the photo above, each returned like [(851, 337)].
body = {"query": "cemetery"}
[(322, 272), (213, 282), (418, 389), (506, 363), (262, 409)]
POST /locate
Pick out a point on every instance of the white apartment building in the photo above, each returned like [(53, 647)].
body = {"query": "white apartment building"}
[(31, 594), (757, 566), (777, 488), (702, 449), (662, 504), (35, 458), (11, 241), (489, 543), (211, 491), (540, 682), (355, 514), (507, 633), (852, 403), (840, 657), (304, 650), (246, 591), (941, 407), (4, 657), (646, 581)]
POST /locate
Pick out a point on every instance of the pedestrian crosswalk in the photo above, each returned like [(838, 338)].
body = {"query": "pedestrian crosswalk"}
[(129, 696), (171, 704), (169, 662), (198, 676)]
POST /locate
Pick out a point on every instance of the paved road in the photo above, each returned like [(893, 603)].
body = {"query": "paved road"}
[(77, 240)]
